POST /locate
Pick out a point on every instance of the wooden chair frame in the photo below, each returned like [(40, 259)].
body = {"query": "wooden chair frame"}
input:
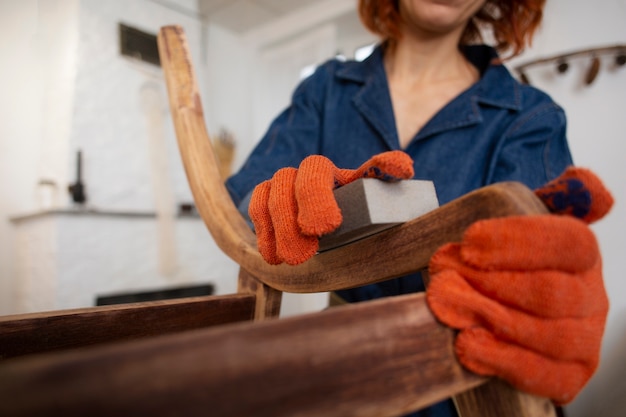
[(185, 357)]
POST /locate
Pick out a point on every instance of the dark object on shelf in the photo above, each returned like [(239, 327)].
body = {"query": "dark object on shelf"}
[(77, 190), (163, 294), (562, 67), (187, 209)]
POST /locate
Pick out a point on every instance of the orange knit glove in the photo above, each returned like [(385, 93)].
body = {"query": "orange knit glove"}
[(297, 206), (527, 292)]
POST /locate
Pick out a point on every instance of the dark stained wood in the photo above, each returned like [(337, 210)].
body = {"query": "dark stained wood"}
[(43, 332), (268, 299), (381, 358), (496, 399)]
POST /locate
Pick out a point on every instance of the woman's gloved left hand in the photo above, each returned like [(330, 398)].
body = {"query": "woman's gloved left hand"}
[(526, 292)]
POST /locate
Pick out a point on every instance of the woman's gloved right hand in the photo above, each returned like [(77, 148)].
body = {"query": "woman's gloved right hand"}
[(297, 206)]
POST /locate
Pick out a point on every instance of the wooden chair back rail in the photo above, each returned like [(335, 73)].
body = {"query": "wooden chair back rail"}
[(381, 358), (51, 331)]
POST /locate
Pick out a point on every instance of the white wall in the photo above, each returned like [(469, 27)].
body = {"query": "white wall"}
[(110, 117), (37, 62), (66, 87), (82, 256), (227, 102), (351, 34)]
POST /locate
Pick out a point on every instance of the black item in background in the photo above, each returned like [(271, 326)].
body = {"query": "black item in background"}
[(138, 44), (77, 190), (164, 294)]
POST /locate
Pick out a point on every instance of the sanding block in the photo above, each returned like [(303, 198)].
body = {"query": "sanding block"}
[(370, 206)]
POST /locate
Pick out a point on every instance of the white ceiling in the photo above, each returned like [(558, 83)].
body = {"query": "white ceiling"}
[(243, 15)]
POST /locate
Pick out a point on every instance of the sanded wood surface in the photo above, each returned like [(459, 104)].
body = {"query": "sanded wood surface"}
[(497, 399), (382, 358), (49, 331)]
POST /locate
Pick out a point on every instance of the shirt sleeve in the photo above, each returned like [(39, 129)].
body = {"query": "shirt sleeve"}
[(534, 150), (291, 137)]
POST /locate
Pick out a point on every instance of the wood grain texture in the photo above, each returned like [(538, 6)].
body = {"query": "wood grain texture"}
[(268, 300), (382, 358), (496, 399), (50, 331)]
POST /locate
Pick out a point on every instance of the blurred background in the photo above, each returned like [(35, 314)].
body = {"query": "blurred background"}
[(93, 198)]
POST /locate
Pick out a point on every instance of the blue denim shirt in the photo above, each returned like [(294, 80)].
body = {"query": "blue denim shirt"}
[(496, 130)]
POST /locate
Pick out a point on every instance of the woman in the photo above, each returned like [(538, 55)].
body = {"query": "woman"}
[(451, 106), (431, 90)]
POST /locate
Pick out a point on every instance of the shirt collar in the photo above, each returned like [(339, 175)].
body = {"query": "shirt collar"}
[(496, 86)]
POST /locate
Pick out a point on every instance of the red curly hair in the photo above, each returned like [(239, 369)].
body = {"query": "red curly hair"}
[(513, 22)]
